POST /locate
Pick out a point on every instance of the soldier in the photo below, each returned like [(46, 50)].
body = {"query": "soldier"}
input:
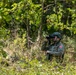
[(56, 48)]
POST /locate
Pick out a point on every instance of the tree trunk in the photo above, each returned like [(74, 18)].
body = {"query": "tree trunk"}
[(41, 24), (13, 28), (28, 33)]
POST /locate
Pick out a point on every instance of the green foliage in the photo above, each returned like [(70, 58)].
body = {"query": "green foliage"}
[(59, 17), (19, 17), (35, 67), (4, 33)]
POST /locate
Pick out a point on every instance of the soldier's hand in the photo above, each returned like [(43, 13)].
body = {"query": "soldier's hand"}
[(48, 52)]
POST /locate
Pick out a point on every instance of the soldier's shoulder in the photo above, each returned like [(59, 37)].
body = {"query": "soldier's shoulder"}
[(61, 44)]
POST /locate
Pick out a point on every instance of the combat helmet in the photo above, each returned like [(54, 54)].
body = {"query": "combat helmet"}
[(57, 34)]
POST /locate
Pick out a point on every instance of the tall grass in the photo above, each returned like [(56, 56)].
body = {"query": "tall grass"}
[(32, 62)]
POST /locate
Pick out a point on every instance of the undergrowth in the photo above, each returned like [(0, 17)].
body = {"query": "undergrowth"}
[(21, 61)]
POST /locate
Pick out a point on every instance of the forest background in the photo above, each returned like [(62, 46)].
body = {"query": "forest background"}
[(24, 24)]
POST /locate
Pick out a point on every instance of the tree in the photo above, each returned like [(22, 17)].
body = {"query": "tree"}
[(37, 17)]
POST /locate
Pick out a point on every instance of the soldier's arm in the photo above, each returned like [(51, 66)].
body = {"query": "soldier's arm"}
[(59, 52), (44, 46)]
